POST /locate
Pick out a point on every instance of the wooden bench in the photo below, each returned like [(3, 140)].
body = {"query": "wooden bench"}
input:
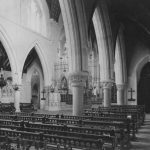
[(7, 107), (76, 142), (118, 134), (27, 107)]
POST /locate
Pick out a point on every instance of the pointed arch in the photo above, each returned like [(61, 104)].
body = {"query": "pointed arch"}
[(75, 26), (140, 65), (104, 38), (120, 59), (42, 59), (64, 82), (5, 40), (36, 67), (134, 78)]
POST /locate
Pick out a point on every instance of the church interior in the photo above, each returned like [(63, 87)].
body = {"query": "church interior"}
[(74, 74)]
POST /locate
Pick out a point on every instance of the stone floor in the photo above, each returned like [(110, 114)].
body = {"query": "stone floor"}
[(143, 137), (65, 112)]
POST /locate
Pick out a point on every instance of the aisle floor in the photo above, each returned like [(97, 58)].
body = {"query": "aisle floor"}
[(143, 136)]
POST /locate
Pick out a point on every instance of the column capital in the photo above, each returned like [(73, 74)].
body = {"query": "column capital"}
[(78, 78), (121, 86), (107, 84)]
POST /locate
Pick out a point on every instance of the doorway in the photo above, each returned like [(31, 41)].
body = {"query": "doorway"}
[(143, 94)]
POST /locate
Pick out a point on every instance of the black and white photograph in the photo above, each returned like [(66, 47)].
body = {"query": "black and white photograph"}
[(74, 74)]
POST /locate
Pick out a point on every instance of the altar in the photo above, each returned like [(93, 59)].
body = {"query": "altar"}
[(53, 102)]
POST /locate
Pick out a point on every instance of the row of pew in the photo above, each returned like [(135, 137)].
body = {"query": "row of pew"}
[(9, 107), (96, 129)]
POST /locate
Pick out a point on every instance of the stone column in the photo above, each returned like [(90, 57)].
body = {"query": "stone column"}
[(17, 86), (78, 83), (17, 97), (107, 93), (120, 94)]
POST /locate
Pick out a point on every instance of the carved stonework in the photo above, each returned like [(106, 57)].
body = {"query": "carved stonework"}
[(78, 78), (107, 85), (120, 87)]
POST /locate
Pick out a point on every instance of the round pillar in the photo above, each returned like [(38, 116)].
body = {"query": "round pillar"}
[(120, 94), (17, 97), (78, 84), (107, 93)]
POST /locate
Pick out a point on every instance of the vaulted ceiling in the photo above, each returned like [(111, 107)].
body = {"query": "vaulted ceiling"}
[(54, 8), (134, 14)]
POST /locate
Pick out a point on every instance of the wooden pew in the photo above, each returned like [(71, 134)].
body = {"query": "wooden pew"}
[(94, 123), (7, 107), (27, 107), (76, 142), (97, 122), (135, 112), (118, 134), (138, 109)]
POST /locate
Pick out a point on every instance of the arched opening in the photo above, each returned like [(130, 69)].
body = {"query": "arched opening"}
[(64, 83), (33, 78), (143, 93), (6, 86), (35, 89), (93, 90), (4, 60)]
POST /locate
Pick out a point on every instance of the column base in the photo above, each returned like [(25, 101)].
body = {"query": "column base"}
[(18, 110)]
